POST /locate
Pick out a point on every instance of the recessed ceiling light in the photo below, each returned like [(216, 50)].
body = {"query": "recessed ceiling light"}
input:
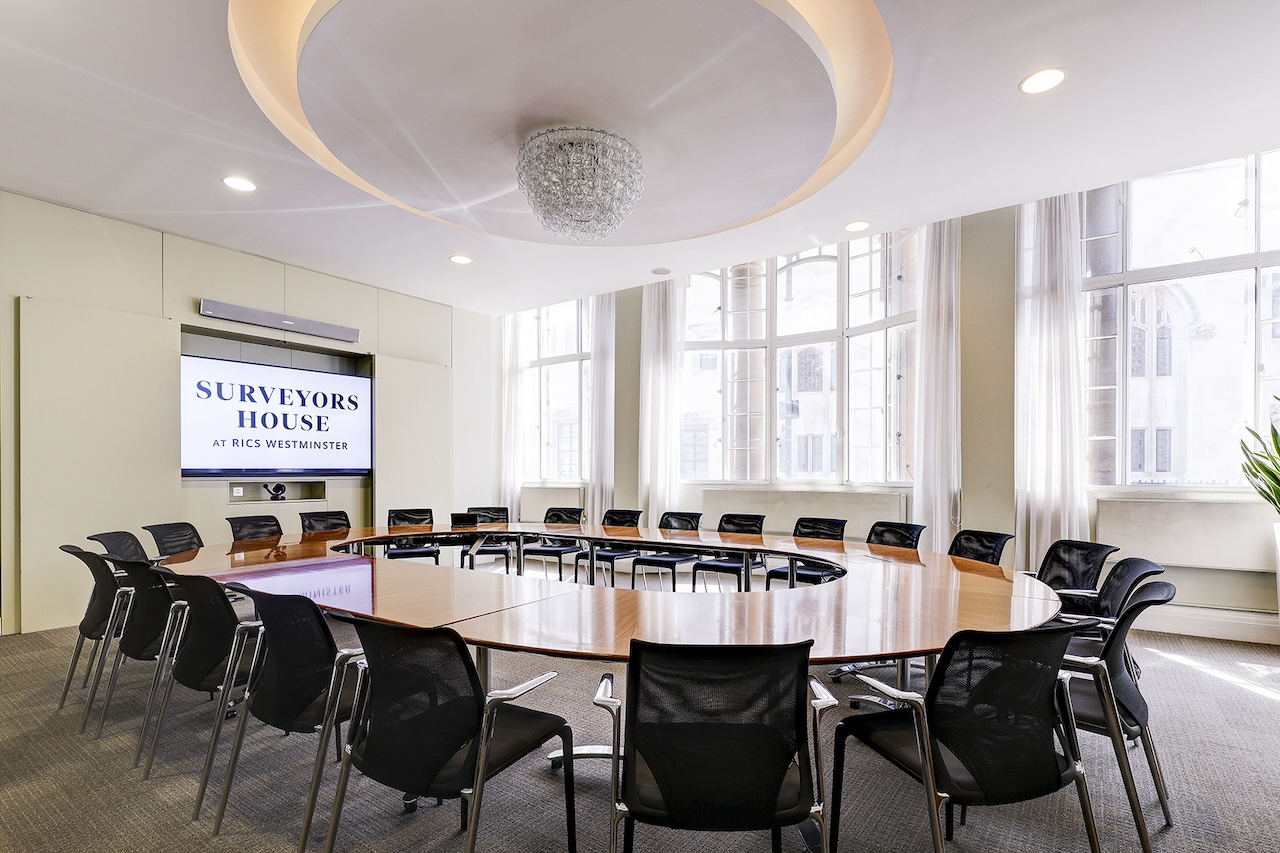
[(1042, 80), (244, 185), (460, 259), (660, 271), (857, 226)]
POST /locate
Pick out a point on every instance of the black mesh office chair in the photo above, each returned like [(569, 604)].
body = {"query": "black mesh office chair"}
[(716, 739), (811, 571), (1110, 597), (208, 636), (407, 547), (491, 547), (108, 603), (984, 731), (320, 521), (668, 560), (611, 554), (244, 527), (551, 546), (424, 725), (985, 546), (731, 564), (1073, 564), (174, 537), (1108, 702), (147, 627), (297, 683), (898, 534), (122, 544)]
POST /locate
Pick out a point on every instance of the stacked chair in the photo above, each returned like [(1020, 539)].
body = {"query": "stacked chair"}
[(108, 604)]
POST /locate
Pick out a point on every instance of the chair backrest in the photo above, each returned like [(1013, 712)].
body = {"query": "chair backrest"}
[(294, 674), (491, 514), (422, 703), (201, 660), (1120, 583), (562, 515), (149, 612), (679, 521), (898, 534), (331, 519), (985, 546), (621, 517), (809, 527), (174, 537), (717, 727), (1073, 564), (105, 585), (254, 527), (735, 522), (1128, 697), (397, 517), (122, 544), (992, 702)]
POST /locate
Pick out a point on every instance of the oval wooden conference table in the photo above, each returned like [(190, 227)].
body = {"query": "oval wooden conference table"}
[(892, 603)]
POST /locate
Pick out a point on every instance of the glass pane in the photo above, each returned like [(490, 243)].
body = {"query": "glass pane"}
[(531, 422), (558, 329), (1100, 461), (1100, 362), (744, 409), (807, 410), (1270, 202), (527, 334), (1268, 348), (1199, 377), (1100, 313), (904, 284), (561, 430), (807, 297), (1191, 215), (745, 312), (702, 308), (1102, 211), (867, 403), (701, 418), (901, 414), (866, 286), (1102, 256)]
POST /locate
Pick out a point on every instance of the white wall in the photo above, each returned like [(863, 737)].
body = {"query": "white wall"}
[(92, 309)]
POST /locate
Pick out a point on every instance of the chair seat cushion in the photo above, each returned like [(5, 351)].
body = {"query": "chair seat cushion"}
[(808, 573), (893, 735), (711, 794), (608, 555), (665, 560), (404, 553), (1086, 704)]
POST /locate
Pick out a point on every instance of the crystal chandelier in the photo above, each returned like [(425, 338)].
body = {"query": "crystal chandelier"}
[(580, 182)]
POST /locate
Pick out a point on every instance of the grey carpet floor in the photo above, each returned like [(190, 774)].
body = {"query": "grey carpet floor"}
[(1215, 707)]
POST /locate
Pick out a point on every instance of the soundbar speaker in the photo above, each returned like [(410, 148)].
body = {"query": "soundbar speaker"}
[(272, 320)]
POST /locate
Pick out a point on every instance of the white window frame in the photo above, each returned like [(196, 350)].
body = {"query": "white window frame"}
[(532, 371)]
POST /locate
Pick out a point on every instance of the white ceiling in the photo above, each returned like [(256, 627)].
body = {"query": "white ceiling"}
[(135, 110)]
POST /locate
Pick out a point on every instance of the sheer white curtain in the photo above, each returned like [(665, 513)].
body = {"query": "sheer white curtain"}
[(600, 472), (661, 354), (1049, 455), (936, 499), (512, 461)]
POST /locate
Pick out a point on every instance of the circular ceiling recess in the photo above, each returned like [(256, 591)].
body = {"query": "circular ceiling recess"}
[(739, 109)]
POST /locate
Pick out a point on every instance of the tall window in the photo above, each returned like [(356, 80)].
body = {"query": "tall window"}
[(831, 331), (1182, 281), (555, 388)]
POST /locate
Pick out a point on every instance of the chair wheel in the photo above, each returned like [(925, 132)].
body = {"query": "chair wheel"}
[(855, 702), (557, 763), (410, 806), (231, 714), (838, 679)]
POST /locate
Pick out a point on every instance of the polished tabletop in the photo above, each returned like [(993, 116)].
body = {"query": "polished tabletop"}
[(893, 602)]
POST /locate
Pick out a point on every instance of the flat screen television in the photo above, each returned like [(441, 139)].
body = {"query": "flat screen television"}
[(242, 418)]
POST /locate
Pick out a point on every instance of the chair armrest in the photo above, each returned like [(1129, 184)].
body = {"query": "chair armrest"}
[(604, 695), (1076, 663), (1078, 593), (913, 699), (822, 698), (520, 689)]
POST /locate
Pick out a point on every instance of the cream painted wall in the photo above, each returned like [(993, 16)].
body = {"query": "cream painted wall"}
[(477, 401), (986, 370), (97, 438), (626, 407), (92, 423)]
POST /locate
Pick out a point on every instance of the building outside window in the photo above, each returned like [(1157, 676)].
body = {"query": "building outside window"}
[(1181, 276), (555, 388), (802, 367)]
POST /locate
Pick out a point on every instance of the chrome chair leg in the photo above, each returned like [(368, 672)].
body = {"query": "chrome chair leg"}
[(336, 682), (121, 606), (71, 670), (93, 656), (233, 665), (174, 631), (1157, 775)]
